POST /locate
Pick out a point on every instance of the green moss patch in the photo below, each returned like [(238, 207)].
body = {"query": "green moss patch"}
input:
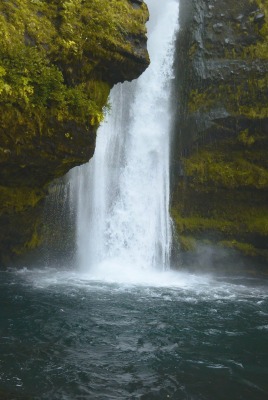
[(18, 199), (207, 168), (246, 98), (50, 52)]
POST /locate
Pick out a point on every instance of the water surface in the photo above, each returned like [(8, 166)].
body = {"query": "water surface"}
[(66, 336)]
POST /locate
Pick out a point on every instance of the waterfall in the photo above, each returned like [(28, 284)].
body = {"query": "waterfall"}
[(122, 194)]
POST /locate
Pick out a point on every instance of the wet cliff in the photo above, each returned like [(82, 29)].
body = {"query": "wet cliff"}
[(220, 157), (58, 62)]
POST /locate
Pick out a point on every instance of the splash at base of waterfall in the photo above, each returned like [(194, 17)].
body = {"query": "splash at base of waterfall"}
[(114, 271)]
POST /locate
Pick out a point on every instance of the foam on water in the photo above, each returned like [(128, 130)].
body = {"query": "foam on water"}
[(169, 285), (65, 335)]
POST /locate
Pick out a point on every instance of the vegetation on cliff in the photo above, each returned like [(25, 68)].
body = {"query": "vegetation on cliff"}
[(222, 191), (50, 51), (58, 61)]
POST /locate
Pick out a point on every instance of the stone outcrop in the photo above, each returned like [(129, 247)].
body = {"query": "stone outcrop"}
[(58, 62), (220, 160)]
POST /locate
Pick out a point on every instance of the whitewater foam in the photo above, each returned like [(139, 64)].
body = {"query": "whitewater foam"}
[(123, 193)]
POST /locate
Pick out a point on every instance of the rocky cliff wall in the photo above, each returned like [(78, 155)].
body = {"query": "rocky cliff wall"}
[(58, 61), (220, 157)]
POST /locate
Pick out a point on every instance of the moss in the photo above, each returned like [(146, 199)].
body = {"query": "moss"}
[(50, 54), (260, 49), (199, 101), (17, 199), (221, 192), (246, 249), (246, 98), (224, 229), (251, 33), (34, 241), (257, 221), (193, 50), (43, 43), (206, 167), (72, 26), (245, 138), (198, 223), (41, 91), (84, 103), (187, 243), (229, 211)]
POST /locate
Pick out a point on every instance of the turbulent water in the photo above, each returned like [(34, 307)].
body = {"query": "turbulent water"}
[(123, 193), (65, 337)]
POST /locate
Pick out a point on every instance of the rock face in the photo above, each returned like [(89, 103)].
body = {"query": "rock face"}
[(58, 61), (221, 156)]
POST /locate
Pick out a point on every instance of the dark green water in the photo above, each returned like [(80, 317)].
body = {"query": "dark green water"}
[(65, 337)]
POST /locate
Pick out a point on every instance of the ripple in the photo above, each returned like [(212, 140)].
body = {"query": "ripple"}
[(68, 337)]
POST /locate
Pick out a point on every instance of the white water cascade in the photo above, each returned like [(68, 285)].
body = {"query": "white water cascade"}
[(122, 194)]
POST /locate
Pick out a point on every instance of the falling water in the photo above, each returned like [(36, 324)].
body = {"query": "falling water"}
[(123, 192)]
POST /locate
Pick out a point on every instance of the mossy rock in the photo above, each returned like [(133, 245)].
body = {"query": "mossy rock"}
[(58, 62), (221, 149)]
